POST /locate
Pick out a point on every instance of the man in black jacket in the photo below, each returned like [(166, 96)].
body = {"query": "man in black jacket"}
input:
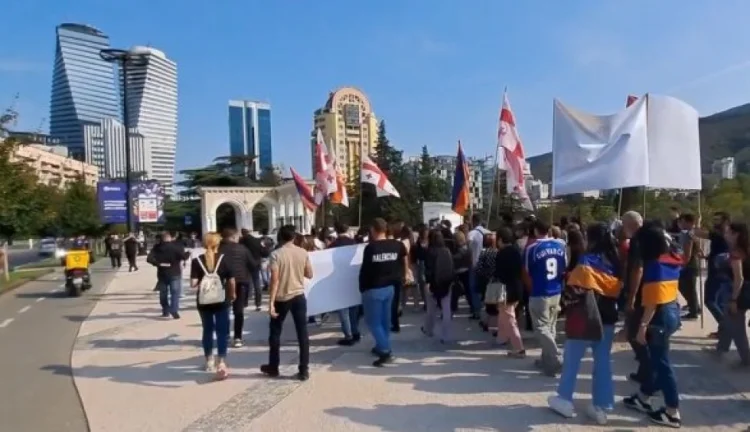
[(241, 264), (167, 256), (253, 244)]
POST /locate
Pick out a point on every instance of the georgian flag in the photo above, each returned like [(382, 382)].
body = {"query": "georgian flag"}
[(325, 175), (511, 156), (372, 174)]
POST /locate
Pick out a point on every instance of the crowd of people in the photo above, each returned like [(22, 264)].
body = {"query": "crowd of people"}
[(523, 275)]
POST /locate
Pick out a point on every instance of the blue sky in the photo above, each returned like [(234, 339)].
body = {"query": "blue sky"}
[(433, 69)]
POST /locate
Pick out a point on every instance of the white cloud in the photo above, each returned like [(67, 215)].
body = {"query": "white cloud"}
[(17, 65)]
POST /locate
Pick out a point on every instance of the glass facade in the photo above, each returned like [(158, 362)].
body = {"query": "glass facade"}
[(250, 133), (83, 88)]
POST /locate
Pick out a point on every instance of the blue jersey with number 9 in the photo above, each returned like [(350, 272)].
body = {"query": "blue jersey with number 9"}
[(545, 264)]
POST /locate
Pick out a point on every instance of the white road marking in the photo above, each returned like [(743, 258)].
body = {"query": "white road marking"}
[(40, 299), (6, 322), (24, 309)]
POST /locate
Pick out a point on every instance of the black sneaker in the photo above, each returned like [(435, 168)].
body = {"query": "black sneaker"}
[(176, 315), (269, 370), (346, 342), (165, 314), (302, 376), (635, 403), (383, 360), (662, 417), (356, 337)]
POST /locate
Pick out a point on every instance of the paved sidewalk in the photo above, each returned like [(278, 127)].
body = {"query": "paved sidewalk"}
[(139, 372)]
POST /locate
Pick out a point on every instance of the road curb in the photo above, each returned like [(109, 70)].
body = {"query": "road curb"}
[(19, 283), (73, 349)]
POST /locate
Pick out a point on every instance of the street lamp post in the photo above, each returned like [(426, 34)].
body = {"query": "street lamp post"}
[(125, 58)]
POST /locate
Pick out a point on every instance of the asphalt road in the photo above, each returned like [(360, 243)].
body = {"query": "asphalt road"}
[(38, 328), (17, 257)]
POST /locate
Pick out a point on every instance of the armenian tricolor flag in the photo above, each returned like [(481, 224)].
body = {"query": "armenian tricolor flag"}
[(461, 199), (304, 191), (660, 278), (594, 272)]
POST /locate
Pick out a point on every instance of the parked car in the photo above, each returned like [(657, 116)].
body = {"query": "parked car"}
[(47, 246)]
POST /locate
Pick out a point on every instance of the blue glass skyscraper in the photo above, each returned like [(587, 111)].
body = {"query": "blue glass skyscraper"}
[(250, 133), (83, 89)]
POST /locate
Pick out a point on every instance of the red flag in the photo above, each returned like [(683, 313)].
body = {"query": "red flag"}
[(304, 191)]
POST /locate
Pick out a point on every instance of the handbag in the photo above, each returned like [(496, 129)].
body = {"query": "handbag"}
[(582, 318), (496, 292)]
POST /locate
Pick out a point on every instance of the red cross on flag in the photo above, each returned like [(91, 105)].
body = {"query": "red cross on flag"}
[(511, 156), (372, 174), (325, 175)]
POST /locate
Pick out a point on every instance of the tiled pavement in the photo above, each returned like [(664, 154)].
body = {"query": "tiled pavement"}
[(138, 372)]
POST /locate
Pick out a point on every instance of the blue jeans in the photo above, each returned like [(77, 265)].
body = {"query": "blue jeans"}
[(717, 295), (349, 318), (602, 388), (664, 324), (170, 291), (215, 321), (377, 305)]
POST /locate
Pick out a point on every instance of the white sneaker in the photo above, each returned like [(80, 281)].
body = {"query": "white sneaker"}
[(210, 364), (561, 406), (596, 414)]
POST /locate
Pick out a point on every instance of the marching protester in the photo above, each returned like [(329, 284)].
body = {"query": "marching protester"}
[(394, 233), (475, 240), (439, 276), (289, 265), (733, 328), (545, 263), (659, 320), (418, 258), (254, 246), (241, 264), (462, 265), (508, 269), (349, 317), (212, 275), (591, 294), (716, 287), (409, 286), (383, 268), (167, 256), (632, 223), (690, 250), (131, 251)]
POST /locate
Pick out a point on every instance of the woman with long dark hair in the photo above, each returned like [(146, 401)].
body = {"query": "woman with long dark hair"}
[(439, 276), (410, 282), (658, 322), (733, 327), (597, 271), (462, 266), (418, 257), (507, 271)]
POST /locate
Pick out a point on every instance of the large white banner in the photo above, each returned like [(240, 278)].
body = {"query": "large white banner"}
[(335, 282), (598, 152), (654, 143)]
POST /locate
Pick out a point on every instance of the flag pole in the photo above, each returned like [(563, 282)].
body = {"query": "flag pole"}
[(497, 168), (359, 200)]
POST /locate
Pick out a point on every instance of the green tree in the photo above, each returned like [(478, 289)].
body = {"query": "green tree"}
[(431, 187), (18, 184), (79, 211)]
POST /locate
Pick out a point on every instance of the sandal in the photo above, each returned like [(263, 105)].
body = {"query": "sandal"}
[(221, 371)]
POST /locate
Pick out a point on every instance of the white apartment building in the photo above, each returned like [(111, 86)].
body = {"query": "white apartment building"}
[(152, 109), (725, 168), (54, 168)]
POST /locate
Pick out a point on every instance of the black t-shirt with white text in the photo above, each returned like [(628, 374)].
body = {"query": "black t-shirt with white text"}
[(382, 264)]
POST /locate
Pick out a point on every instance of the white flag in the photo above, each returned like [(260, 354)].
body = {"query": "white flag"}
[(371, 173), (325, 177), (511, 155), (591, 152)]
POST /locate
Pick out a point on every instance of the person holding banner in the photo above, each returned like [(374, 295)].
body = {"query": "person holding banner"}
[(384, 263), (290, 266)]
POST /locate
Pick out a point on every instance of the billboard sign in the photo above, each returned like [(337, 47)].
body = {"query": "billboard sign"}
[(112, 202), (147, 196), (148, 201)]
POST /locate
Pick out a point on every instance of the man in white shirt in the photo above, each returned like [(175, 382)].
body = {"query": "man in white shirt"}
[(476, 244)]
